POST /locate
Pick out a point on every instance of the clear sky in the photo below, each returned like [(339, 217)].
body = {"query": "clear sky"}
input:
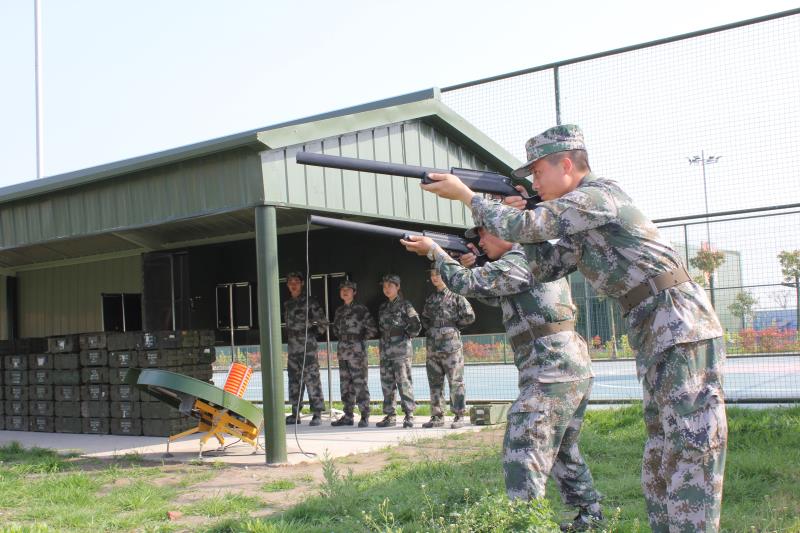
[(124, 78)]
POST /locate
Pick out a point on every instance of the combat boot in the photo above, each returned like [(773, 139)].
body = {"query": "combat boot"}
[(316, 419), (293, 419), (436, 421), (408, 421), (346, 420), (388, 421), (458, 422), (364, 422), (587, 519)]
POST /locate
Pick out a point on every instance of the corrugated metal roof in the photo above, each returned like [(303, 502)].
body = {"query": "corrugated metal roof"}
[(205, 192)]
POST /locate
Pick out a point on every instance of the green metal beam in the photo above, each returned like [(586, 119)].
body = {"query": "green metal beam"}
[(269, 325)]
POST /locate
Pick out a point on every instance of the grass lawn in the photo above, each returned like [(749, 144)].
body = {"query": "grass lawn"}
[(453, 484)]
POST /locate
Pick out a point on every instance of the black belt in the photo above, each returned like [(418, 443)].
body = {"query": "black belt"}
[(442, 324), (543, 330), (651, 287), (351, 337)]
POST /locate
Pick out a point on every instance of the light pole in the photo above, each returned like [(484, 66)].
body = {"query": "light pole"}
[(704, 160)]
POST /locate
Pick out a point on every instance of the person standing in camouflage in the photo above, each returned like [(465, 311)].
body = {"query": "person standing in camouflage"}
[(672, 325), (353, 325), (555, 372), (304, 320), (443, 315), (399, 323)]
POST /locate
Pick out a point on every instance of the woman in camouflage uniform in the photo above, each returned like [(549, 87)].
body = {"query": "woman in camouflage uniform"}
[(399, 323)]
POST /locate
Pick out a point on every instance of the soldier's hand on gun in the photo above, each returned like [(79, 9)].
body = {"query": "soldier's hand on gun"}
[(448, 186), (418, 244), (517, 202), (468, 260)]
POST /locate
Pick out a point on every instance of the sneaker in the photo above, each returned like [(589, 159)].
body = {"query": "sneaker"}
[(316, 419), (292, 419), (364, 422), (388, 421), (344, 421), (408, 421), (436, 421), (585, 521), (458, 422)]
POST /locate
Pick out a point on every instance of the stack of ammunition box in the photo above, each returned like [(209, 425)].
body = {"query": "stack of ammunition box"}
[(27, 386), (77, 383)]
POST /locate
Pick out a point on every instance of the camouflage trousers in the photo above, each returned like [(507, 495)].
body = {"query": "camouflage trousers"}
[(687, 436), (396, 374), (311, 380), (441, 364), (544, 441), (353, 376)]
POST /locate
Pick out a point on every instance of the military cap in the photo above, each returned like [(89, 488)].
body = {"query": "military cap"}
[(391, 278), (348, 284), (556, 139), (296, 274)]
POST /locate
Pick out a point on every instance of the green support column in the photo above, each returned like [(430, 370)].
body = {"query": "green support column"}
[(269, 324)]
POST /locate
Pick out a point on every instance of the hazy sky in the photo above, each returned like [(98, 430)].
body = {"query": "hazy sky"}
[(125, 78)]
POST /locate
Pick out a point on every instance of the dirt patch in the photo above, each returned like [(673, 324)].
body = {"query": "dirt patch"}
[(305, 478)]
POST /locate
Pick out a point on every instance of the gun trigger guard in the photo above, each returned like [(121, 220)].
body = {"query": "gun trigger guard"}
[(530, 203), (426, 179)]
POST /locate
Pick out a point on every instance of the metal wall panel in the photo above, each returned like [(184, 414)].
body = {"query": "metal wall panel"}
[(67, 299), (219, 182), (3, 316), (414, 142)]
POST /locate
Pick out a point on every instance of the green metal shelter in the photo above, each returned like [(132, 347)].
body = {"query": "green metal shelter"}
[(229, 204)]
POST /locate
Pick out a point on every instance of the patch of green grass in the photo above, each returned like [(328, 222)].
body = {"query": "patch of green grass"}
[(222, 505), (763, 471), (278, 485)]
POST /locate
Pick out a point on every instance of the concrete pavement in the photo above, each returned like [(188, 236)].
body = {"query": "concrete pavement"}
[(308, 445)]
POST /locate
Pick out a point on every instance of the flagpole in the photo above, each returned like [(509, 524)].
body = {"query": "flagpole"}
[(37, 8)]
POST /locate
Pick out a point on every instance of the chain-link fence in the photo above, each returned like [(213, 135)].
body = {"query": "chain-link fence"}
[(702, 131)]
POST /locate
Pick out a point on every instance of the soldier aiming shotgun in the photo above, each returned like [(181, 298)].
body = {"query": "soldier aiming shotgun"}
[(482, 181), (455, 246)]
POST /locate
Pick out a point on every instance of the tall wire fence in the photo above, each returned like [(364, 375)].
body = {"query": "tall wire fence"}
[(702, 131)]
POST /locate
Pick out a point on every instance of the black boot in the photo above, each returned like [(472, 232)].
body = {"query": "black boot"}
[(346, 420), (364, 422), (388, 421), (293, 419), (408, 421), (436, 421), (588, 519), (316, 419)]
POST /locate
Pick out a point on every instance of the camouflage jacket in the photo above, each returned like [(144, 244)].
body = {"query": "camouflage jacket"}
[(508, 283), (443, 315), (616, 247), (353, 319), (399, 323), (294, 313)]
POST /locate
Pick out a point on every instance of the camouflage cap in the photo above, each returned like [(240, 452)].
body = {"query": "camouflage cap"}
[(296, 274), (557, 139), (348, 283), (391, 278)]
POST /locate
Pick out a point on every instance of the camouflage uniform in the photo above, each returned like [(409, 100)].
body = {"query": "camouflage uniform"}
[(676, 333), (294, 313), (555, 377), (399, 323), (443, 315), (353, 324)]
